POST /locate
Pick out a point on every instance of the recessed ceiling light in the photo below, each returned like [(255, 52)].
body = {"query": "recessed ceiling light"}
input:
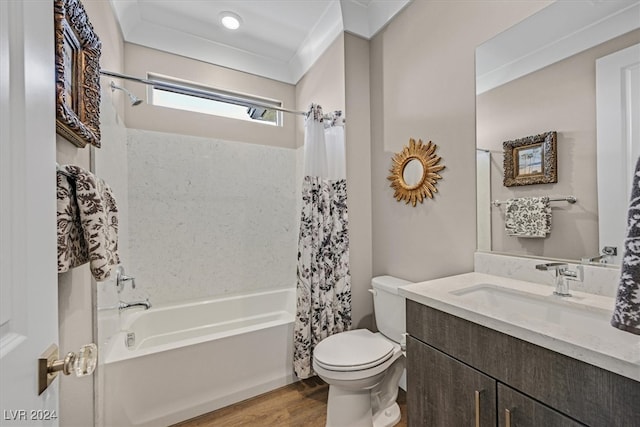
[(230, 20)]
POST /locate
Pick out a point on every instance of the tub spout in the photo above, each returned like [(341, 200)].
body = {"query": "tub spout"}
[(126, 305)]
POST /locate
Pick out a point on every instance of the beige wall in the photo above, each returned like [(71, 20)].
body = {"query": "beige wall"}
[(358, 151), (323, 84), (141, 60), (561, 98), (76, 288), (339, 80), (423, 86), (75, 316)]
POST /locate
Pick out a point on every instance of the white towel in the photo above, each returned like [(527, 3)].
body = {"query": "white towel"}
[(626, 315), (87, 222), (528, 217)]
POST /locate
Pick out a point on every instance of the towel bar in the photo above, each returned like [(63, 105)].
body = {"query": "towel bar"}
[(570, 199)]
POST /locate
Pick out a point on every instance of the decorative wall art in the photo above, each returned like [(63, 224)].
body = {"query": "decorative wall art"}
[(531, 160), (77, 50), (414, 172)]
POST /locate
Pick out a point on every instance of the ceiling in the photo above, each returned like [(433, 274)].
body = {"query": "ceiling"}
[(278, 39)]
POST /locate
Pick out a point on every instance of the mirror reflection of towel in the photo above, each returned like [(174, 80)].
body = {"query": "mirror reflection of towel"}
[(528, 217), (626, 315), (87, 222)]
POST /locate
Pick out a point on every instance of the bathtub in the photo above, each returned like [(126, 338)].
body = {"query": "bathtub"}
[(189, 359)]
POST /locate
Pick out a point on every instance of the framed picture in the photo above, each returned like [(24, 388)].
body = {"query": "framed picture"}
[(531, 160), (77, 62)]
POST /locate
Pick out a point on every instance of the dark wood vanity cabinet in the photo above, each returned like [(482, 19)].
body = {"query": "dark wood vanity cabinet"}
[(517, 409), (460, 373), (445, 392)]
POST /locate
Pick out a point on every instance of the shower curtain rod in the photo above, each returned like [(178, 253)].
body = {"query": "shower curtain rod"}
[(200, 93)]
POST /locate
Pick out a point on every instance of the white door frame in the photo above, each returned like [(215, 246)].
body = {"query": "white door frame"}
[(28, 273), (618, 141)]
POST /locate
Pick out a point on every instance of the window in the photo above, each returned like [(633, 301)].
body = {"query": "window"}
[(201, 99)]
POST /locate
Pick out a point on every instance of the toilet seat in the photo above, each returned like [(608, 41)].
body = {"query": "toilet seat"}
[(355, 350)]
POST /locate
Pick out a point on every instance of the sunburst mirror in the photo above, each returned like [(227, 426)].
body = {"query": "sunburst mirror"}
[(414, 172)]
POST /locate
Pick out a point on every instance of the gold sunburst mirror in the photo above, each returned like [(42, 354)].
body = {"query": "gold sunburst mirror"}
[(414, 172)]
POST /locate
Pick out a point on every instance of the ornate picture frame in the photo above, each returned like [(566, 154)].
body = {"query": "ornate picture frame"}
[(77, 62), (531, 160)]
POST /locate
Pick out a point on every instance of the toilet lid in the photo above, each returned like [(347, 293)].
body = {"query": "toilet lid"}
[(352, 350)]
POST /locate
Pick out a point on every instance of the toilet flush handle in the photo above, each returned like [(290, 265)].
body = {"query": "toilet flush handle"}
[(373, 292)]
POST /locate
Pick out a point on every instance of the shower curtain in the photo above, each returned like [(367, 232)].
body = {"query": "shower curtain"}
[(323, 288)]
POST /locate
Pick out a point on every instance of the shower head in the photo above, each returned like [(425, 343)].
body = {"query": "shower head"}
[(132, 98)]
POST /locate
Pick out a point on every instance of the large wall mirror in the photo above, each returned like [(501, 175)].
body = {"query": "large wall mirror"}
[(541, 76)]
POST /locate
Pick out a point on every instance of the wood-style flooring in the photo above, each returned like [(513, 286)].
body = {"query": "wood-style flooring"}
[(301, 404)]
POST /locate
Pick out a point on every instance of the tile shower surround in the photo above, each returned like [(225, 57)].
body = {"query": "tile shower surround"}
[(209, 217)]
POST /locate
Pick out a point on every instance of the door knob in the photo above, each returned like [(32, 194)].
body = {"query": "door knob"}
[(81, 364)]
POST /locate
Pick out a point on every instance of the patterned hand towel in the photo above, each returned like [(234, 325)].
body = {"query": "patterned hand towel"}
[(528, 217), (87, 222), (72, 247), (626, 315)]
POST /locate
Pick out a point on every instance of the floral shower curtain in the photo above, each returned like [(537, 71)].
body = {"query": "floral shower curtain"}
[(324, 282)]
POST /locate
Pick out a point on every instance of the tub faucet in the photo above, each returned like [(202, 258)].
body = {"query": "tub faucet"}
[(127, 305), (563, 274)]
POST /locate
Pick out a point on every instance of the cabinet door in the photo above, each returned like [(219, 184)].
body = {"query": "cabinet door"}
[(445, 392), (517, 410)]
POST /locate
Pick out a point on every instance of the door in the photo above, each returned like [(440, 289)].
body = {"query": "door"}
[(516, 409), (28, 280), (618, 140), (444, 392)]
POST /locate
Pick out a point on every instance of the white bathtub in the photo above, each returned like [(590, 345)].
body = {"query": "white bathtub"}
[(190, 359)]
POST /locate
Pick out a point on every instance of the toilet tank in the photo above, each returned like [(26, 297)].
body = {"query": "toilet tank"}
[(389, 306)]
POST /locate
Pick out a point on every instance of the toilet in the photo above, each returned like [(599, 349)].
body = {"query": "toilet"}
[(364, 369)]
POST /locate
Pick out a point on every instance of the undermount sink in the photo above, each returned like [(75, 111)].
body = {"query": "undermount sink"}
[(540, 308), (577, 326)]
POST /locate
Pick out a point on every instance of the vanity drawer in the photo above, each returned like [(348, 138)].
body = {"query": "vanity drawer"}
[(589, 394)]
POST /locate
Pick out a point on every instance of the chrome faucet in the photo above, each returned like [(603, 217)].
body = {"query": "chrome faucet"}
[(606, 254), (563, 274), (121, 278), (127, 305), (600, 259)]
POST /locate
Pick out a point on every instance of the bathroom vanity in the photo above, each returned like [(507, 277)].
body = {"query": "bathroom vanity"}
[(467, 364)]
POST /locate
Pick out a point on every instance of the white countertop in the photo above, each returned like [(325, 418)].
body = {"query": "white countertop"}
[(590, 340)]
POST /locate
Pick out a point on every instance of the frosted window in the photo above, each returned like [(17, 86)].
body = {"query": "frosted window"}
[(165, 98)]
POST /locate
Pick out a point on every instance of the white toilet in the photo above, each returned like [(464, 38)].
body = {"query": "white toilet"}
[(363, 369)]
